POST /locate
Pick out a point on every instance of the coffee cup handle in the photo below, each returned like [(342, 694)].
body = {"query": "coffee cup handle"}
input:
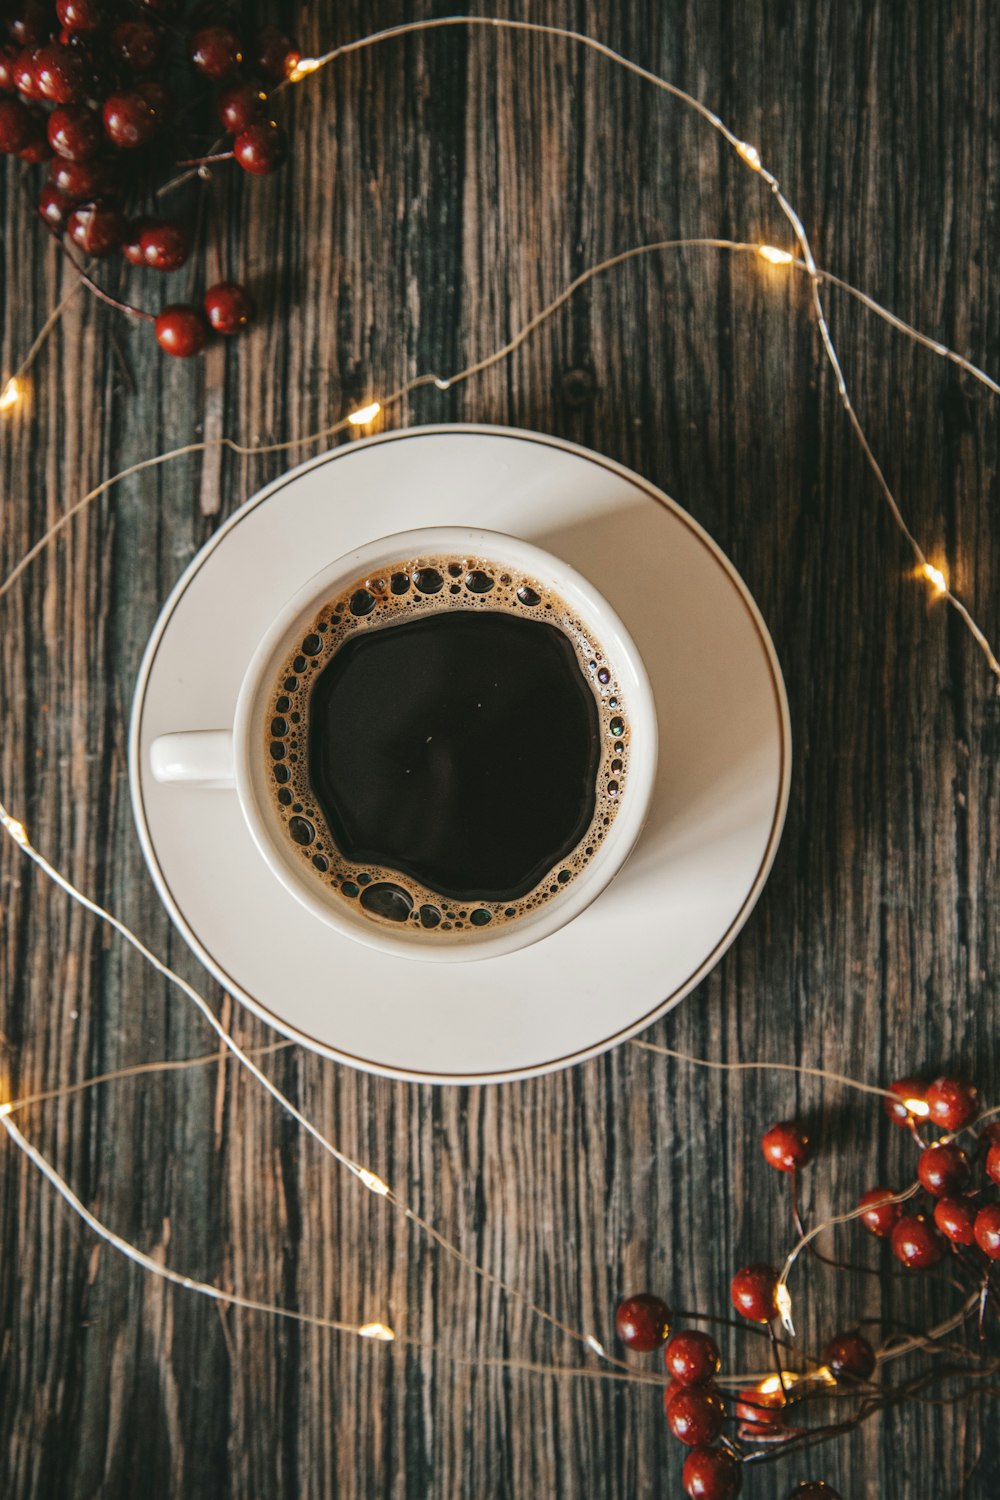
[(196, 757)]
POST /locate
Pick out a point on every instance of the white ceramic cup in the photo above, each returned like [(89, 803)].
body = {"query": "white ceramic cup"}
[(228, 761)]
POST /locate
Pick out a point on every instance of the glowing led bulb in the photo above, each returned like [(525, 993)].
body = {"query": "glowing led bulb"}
[(935, 577), (303, 68), (596, 1345), (783, 1302), (773, 1384), (372, 1183), (6, 1109), (750, 154), (920, 1106), (17, 830), (377, 1331), (774, 255), (11, 393), (364, 414)]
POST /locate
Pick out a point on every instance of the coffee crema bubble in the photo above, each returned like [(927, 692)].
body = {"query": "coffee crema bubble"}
[(446, 744)]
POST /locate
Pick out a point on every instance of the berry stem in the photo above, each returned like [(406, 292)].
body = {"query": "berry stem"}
[(203, 161), (776, 1352), (688, 1316), (98, 291)]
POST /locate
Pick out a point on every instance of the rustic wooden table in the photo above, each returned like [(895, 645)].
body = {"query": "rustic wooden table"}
[(441, 189)]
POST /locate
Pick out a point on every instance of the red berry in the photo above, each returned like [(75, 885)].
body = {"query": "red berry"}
[(712, 1474), (216, 51), (670, 1391), (953, 1102), (943, 1170), (181, 330), (850, 1354), (762, 1412), (786, 1146), (157, 96), (274, 53), (60, 74), (80, 179), (54, 207), (987, 1230), (814, 1489), (164, 245), (643, 1321), (16, 126), (239, 105), (83, 17), (136, 45), (95, 228), (30, 22), (38, 148), (132, 243), (8, 57), (993, 1163), (753, 1290), (75, 132), (695, 1415), (879, 1216), (261, 148), (25, 74), (988, 1136), (916, 1242), (905, 1088), (955, 1218), (129, 121), (228, 307), (692, 1357)]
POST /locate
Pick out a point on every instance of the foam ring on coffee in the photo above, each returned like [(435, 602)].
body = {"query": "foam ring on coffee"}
[(407, 590)]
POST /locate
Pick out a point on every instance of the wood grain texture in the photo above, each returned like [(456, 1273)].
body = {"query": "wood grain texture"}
[(442, 189)]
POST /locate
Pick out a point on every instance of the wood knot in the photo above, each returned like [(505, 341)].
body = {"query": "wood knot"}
[(578, 387)]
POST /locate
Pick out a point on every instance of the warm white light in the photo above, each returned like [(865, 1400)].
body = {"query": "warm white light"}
[(774, 255), (364, 414), (919, 1106), (373, 1183), (783, 1302), (303, 68), (11, 393), (936, 577), (750, 154), (17, 830), (376, 1331), (6, 1109), (597, 1346), (775, 1383)]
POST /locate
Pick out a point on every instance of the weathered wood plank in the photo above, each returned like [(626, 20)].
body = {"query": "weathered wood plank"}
[(442, 189)]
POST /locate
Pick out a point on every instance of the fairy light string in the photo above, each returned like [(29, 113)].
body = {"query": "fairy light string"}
[(815, 1380), (368, 1179), (750, 156), (363, 416), (12, 394)]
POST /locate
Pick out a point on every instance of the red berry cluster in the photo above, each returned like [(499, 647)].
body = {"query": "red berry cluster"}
[(957, 1210), (695, 1409), (116, 95)]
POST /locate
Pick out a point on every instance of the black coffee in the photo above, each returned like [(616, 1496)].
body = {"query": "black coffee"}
[(480, 742), (447, 745)]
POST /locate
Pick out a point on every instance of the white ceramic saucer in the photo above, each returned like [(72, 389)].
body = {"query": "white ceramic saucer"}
[(717, 810)]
